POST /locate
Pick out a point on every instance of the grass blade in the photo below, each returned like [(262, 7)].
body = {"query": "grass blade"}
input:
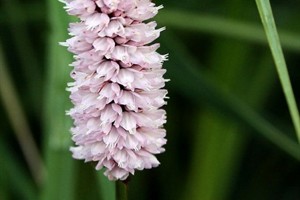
[(267, 18)]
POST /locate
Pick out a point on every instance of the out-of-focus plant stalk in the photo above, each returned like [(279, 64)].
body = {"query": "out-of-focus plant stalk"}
[(19, 123), (121, 190), (107, 188), (268, 21), (60, 183), (29, 64), (225, 27)]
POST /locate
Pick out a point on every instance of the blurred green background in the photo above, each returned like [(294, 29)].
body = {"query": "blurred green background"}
[(230, 134)]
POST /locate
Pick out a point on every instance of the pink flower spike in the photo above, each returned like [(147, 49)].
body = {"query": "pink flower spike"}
[(117, 89)]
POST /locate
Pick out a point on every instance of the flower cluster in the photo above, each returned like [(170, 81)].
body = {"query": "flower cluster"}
[(117, 90)]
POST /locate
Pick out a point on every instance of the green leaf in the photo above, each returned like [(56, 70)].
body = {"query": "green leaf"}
[(268, 21)]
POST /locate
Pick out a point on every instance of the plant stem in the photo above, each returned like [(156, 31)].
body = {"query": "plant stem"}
[(121, 190), (267, 18), (107, 188)]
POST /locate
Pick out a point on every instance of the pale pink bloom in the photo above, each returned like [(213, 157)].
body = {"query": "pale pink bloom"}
[(117, 89)]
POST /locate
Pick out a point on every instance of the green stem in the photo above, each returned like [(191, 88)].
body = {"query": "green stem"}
[(107, 188), (121, 190), (267, 18)]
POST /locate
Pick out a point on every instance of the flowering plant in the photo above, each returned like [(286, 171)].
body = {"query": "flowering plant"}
[(117, 90)]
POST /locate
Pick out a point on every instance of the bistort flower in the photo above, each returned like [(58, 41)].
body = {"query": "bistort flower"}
[(117, 90)]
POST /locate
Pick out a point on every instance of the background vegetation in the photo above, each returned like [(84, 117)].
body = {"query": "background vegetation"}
[(230, 135)]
